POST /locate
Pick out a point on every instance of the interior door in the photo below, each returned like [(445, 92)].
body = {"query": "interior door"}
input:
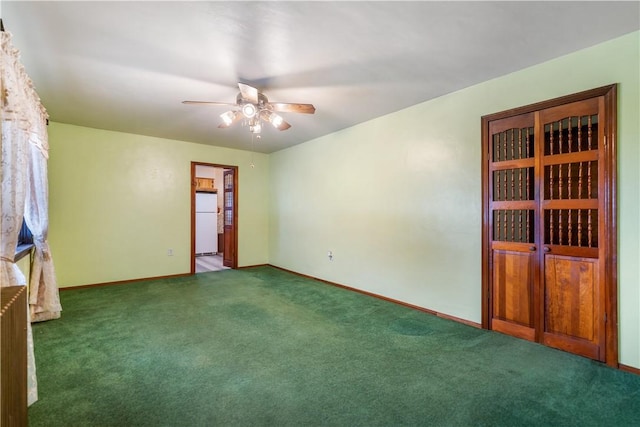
[(549, 230), (512, 225), (229, 258), (228, 241), (572, 215)]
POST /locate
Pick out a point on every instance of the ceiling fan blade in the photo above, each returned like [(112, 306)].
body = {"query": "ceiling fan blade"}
[(229, 118), (207, 103), (284, 107), (249, 93), (283, 126)]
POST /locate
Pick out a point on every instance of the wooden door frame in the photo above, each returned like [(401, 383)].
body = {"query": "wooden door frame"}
[(193, 211), (609, 191)]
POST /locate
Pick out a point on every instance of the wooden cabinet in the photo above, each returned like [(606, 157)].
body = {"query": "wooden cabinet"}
[(549, 224), (13, 356), (205, 184)]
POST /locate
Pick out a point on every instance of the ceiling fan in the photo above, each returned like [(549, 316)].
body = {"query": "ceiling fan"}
[(254, 107)]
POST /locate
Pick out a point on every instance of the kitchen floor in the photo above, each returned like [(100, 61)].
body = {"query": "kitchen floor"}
[(206, 263)]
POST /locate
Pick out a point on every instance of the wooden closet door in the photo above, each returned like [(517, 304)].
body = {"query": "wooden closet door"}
[(549, 223), (572, 209), (512, 225)]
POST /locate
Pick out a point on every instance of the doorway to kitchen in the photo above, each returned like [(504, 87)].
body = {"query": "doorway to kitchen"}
[(214, 216)]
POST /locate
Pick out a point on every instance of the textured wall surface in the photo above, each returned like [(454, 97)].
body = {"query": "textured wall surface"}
[(398, 199), (119, 202)]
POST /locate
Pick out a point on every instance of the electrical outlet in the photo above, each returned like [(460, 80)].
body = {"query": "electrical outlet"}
[(169, 252)]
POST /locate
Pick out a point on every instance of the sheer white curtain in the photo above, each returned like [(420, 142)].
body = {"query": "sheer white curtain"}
[(15, 148), (44, 299), (23, 176)]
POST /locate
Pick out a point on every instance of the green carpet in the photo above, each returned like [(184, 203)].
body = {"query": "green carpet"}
[(262, 347)]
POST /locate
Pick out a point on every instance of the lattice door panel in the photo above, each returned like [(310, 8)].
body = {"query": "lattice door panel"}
[(513, 225), (576, 180), (571, 177), (571, 135), (513, 184), (512, 180), (571, 227), (513, 144)]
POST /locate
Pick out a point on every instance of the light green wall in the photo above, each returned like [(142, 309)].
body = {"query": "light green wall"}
[(24, 264), (118, 202), (398, 199)]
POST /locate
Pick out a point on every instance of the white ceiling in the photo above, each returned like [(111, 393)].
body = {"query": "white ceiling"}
[(127, 66)]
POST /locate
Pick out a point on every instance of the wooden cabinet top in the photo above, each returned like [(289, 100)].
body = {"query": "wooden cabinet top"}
[(206, 185)]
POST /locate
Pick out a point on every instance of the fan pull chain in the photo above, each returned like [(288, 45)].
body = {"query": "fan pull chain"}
[(253, 141)]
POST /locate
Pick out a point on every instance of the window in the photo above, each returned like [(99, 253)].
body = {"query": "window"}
[(25, 237), (25, 242)]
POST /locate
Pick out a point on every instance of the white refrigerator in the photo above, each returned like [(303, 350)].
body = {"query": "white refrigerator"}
[(206, 223)]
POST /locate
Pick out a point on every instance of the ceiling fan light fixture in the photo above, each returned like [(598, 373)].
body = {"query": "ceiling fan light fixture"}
[(276, 120), (249, 110), (252, 108), (228, 117)]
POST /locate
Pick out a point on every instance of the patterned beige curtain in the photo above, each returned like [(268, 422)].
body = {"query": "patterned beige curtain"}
[(44, 299), (23, 121)]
